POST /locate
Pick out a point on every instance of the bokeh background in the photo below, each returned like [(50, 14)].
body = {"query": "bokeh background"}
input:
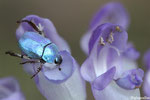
[(71, 18)]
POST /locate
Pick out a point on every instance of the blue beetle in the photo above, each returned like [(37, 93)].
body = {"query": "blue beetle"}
[(35, 46)]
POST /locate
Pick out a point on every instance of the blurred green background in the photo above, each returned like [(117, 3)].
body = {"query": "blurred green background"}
[(71, 18)]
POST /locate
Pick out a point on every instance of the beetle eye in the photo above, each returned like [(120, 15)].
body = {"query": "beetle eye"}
[(58, 60)]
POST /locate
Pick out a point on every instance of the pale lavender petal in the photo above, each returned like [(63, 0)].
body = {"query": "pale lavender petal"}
[(123, 62), (49, 30), (131, 52), (67, 68), (103, 59), (147, 59), (97, 61), (10, 90), (87, 70), (29, 68), (72, 89), (103, 80), (114, 92), (131, 79), (146, 85), (84, 42), (114, 13)]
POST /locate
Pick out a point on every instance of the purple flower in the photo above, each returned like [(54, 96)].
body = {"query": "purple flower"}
[(10, 90), (146, 86), (113, 74), (66, 84), (113, 13)]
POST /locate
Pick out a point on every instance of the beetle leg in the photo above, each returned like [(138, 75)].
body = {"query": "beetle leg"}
[(38, 70), (17, 55), (30, 62), (59, 69)]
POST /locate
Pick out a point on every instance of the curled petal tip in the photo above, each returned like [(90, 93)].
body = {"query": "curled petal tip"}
[(131, 79), (67, 68), (103, 80)]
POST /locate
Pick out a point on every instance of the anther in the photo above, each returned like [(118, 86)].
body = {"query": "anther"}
[(102, 41), (118, 29), (110, 38), (136, 87)]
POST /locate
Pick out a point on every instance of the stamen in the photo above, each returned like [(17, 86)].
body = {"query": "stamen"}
[(102, 41), (40, 27), (118, 29), (136, 87), (110, 38)]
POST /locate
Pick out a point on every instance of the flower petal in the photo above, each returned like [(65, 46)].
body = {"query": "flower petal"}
[(103, 80), (114, 92), (146, 86), (85, 41), (114, 13), (103, 59), (10, 90), (131, 52), (113, 34), (131, 79), (72, 89), (98, 62), (87, 70), (67, 68), (49, 30), (122, 63), (147, 59)]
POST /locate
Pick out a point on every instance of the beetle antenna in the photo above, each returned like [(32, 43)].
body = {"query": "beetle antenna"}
[(38, 70)]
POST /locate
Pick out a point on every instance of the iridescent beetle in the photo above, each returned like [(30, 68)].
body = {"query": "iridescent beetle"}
[(35, 46)]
